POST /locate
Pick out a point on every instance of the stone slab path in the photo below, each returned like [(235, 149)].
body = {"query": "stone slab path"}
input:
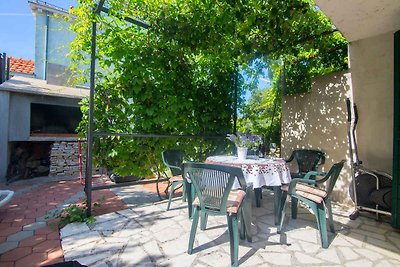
[(145, 234)]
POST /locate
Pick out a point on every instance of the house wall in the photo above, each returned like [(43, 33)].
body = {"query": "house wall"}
[(318, 120), (4, 109), (20, 111), (59, 38), (371, 66)]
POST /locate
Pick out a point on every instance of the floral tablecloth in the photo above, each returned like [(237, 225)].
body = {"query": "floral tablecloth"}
[(258, 171)]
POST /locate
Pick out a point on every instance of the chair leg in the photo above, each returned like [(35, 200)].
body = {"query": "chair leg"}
[(330, 217), (320, 215), (184, 192), (295, 203), (248, 215), (242, 228), (258, 193), (193, 230), (203, 220), (233, 239), (190, 195), (283, 211), (171, 193)]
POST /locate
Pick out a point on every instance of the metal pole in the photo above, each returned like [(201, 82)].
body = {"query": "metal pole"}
[(46, 45), (235, 101), (3, 67), (8, 69), (89, 159)]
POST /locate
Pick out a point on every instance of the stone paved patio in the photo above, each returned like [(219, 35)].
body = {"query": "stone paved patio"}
[(146, 235)]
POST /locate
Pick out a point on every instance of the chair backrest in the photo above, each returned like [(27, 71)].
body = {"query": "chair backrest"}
[(308, 159), (332, 176), (173, 159), (213, 184)]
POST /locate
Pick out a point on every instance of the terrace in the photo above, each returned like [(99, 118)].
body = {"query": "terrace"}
[(135, 229)]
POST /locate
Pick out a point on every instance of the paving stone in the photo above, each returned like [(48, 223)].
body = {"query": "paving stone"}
[(215, 259), (348, 253), (382, 244), (73, 229), (395, 262), (173, 233), (309, 247), (355, 239), (277, 258), (134, 255), (306, 259), (131, 229), (329, 255), (358, 263), (127, 213), (394, 241), (76, 241), (384, 252), (7, 246), (34, 226), (252, 260), (20, 236), (153, 250), (304, 235), (90, 260), (183, 260), (114, 225), (339, 240), (107, 217), (105, 246), (161, 225), (293, 247), (175, 247), (384, 263), (73, 253), (368, 234), (368, 254)]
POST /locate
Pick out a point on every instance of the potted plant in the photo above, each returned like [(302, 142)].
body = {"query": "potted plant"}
[(243, 142)]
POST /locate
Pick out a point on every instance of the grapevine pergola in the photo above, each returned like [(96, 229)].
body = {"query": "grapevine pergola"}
[(91, 133)]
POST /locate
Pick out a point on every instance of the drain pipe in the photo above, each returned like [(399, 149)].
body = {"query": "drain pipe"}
[(46, 45)]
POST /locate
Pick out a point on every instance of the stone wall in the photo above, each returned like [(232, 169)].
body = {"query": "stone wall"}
[(318, 120), (64, 158)]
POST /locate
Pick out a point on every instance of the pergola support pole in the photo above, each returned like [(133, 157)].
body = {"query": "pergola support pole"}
[(89, 154)]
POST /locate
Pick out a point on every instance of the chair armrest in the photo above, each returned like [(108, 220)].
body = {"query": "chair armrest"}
[(313, 173), (321, 160), (289, 159), (175, 169), (292, 185), (243, 184)]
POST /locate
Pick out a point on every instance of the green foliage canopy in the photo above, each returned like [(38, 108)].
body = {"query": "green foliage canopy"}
[(176, 77)]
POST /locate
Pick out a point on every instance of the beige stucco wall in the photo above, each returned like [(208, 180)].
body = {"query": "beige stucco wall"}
[(371, 66), (318, 120)]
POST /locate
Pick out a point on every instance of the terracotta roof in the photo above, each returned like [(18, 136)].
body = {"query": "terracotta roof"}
[(21, 65)]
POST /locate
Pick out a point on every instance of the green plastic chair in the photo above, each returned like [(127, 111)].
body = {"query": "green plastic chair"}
[(307, 160), (215, 197), (173, 159), (318, 199)]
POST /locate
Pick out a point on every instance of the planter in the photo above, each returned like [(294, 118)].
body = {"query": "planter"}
[(124, 179), (242, 153)]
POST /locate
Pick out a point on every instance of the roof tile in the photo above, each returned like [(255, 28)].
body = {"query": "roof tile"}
[(21, 65)]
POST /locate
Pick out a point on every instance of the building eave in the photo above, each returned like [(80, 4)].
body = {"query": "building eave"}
[(25, 85), (361, 19)]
